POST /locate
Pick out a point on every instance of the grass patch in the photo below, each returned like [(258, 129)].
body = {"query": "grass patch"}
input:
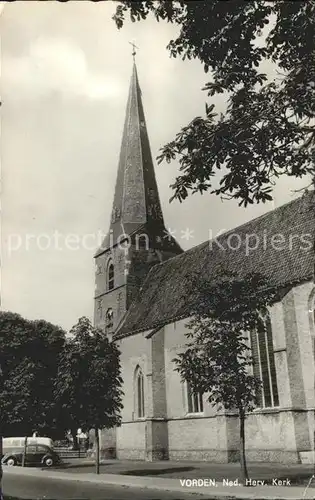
[(155, 472)]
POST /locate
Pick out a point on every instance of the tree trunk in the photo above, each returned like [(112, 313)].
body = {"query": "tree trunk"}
[(24, 452), (74, 433), (1, 471), (97, 451), (244, 472)]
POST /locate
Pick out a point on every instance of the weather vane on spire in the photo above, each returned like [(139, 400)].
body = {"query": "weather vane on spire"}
[(134, 49)]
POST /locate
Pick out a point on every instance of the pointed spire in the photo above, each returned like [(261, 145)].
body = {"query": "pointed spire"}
[(136, 199)]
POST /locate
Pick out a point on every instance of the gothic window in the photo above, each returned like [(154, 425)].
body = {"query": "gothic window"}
[(109, 320), (194, 400), (110, 275), (264, 365), (142, 242), (139, 393)]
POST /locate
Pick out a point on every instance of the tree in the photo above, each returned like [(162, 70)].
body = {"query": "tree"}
[(1, 445), (29, 360), (88, 386), (267, 130), (217, 359), (28, 365)]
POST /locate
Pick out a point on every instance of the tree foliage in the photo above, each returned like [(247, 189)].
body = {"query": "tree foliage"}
[(217, 359), (88, 386), (267, 129), (28, 359)]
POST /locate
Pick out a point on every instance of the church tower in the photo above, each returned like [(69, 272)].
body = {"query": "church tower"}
[(137, 238)]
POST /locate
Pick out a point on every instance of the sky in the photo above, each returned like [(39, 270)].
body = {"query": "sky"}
[(65, 72)]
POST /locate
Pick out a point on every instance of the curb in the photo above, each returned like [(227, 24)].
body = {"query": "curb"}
[(250, 493)]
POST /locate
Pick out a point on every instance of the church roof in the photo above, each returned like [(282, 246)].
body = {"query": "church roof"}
[(162, 298), (136, 199)]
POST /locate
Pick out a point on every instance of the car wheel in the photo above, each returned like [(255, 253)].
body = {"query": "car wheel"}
[(11, 461), (48, 461)]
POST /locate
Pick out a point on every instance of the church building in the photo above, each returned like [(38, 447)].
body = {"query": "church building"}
[(142, 302)]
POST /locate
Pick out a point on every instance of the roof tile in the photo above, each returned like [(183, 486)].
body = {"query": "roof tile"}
[(162, 298)]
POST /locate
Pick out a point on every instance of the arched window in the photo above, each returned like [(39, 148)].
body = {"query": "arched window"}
[(110, 275), (109, 319), (142, 241), (139, 393), (264, 364), (194, 400)]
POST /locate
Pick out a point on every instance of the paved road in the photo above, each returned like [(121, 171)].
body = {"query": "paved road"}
[(46, 488)]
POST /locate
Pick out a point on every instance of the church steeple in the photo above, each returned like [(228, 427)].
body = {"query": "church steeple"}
[(136, 199), (136, 211)]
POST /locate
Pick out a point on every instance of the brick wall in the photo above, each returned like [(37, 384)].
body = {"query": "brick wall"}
[(301, 296), (131, 441), (271, 434), (131, 268), (116, 298), (133, 354)]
